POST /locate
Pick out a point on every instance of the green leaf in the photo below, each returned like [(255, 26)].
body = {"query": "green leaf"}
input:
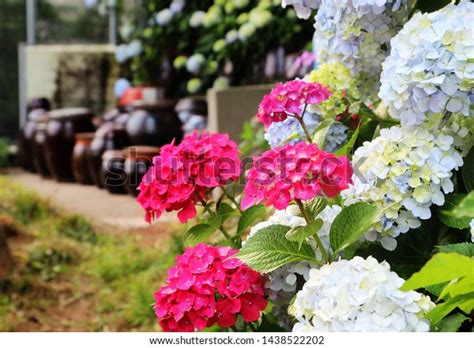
[(447, 218), (225, 211), (466, 249), (301, 233), (201, 232), (468, 171), (351, 224), (440, 311), (451, 323), (315, 206), (321, 132), (346, 149), (441, 268), (465, 208), (459, 287), (249, 216), (268, 250)]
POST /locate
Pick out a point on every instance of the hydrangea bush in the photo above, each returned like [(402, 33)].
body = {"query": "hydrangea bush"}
[(353, 220)]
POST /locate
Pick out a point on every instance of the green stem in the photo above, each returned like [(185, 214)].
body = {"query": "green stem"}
[(308, 220), (232, 198), (221, 228)]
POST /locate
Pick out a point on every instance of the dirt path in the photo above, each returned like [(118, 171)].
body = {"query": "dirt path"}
[(114, 211)]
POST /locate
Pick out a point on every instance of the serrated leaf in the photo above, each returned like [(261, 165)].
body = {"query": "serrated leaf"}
[(268, 250), (465, 208), (465, 301), (440, 268), (352, 223), (321, 132), (467, 171), (466, 249), (447, 218), (249, 216), (451, 323), (301, 233), (346, 149)]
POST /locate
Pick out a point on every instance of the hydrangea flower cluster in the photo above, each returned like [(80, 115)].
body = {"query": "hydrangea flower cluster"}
[(165, 16), (125, 52), (359, 295), (339, 80), (281, 285), (303, 8), (405, 171), (279, 133), (290, 99), (208, 286), (183, 174), (300, 171), (357, 34), (429, 69)]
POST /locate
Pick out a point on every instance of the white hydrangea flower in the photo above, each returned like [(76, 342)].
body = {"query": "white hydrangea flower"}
[(126, 51), (282, 283), (430, 68), (471, 225), (164, 17), (279, 133), (357, 33), (177, 6), (197, 19), (231, 36), (246, 30), (303, 8), (358, 295), (406, 172), (195, 63)]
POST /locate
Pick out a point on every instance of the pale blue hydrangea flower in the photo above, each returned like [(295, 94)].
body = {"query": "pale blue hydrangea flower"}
[(357, 33), (303, 8), (430, 68), (278, 133)]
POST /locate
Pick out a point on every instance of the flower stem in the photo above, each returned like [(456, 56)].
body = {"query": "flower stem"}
[(308, 220), (213, 214), (232, 198)]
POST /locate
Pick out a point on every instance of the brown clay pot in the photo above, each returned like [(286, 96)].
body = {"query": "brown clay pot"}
[(27, 136), (109, 136), (113, 172), (154, 124), (138, 160), (39, 160), (80, 168), (62, 127)]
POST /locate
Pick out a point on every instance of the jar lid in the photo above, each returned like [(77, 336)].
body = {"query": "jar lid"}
[(70, 113), (85, 136), (148, 152), (163, 104)]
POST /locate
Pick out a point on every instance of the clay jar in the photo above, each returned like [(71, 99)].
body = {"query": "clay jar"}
[(138, 160), (193, 113), (80, 168), (109, 136), (27, 136), (39, 160), (62, 127), (154, 124), (113, 172)]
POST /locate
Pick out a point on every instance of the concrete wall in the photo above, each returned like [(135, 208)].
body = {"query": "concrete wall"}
[(69, 75), (230, 108)]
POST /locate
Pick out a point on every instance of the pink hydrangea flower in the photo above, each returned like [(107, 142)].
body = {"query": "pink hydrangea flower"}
[(300, 171), (208, 286), (183, 173), (289, 99)]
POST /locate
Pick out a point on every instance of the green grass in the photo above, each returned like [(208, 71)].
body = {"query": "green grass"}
[(116, 273)]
